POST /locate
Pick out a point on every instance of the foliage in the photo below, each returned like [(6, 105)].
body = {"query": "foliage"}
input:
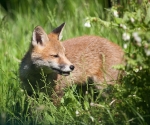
[(126, 24), (134, 24)]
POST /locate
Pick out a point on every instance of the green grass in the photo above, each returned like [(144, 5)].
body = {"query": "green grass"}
[(125, 104)]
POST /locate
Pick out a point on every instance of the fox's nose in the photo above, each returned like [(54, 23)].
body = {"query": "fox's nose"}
[(72, 67)]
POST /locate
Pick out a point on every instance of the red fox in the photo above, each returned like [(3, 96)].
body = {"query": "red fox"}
[(45, 55), (73, 62)]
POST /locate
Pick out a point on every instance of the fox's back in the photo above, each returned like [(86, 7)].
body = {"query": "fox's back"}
[(93, 57)]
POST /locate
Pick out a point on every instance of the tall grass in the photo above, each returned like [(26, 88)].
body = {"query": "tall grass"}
[(122, 105)]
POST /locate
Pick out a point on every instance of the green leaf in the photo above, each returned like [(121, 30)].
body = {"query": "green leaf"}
[(86, 105), (139, 13), (147, 18), (118, 20)]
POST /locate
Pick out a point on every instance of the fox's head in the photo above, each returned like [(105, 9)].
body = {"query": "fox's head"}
[(47, 52)]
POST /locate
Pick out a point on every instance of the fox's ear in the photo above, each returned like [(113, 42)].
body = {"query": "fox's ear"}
[(59, 31), (39, 36)]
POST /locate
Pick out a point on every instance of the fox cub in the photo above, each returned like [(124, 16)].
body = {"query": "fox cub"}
[(74, 61)]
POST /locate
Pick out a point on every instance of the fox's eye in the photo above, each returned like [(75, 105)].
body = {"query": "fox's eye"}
[(55, 55)]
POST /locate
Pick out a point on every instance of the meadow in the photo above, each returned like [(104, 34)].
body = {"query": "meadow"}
[(127, 24)]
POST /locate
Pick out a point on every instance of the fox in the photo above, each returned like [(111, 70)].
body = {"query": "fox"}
[(73, 61), (46, 55)]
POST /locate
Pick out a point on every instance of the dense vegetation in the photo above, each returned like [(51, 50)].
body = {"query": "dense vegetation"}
[(125, 23)]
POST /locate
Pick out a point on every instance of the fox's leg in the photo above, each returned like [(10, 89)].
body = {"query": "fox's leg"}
[(57, 94), (60, 85), (99, 82), (102, 80)]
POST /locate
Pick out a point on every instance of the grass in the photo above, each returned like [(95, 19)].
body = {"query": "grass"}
[(122, 106)]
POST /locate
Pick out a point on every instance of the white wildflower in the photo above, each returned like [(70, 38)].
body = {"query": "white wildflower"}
[(140, 68), (123, 26), (21, 90), (87, 24), (91, 104), (100, 121), (116, 13), (126, 36), (147, 51), (77, 112), (132, 20), (136, 70), (135, 34), (137, 38), (125, 46)]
